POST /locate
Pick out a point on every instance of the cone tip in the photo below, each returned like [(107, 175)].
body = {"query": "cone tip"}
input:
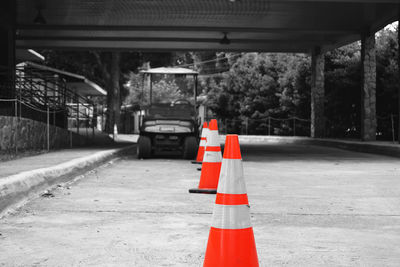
[(232, 147), (205, 125), (213, 125)]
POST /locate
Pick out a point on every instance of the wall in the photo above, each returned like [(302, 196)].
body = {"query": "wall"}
[(28, 134)]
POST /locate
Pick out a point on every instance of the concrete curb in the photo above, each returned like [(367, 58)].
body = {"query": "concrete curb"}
[(352, 145), (19, 188), (262, 139), (358, 146)]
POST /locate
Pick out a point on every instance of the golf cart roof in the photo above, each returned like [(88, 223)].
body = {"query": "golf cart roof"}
[(170, 70)]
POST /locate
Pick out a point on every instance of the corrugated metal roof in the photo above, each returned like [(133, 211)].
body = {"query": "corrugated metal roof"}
[(78, 82), (28, 55)]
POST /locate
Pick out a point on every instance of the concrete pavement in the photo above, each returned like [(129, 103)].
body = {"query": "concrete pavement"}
[(24, 178), (311, 206), (46, 160)]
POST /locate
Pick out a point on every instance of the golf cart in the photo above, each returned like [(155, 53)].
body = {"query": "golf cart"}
[(170, 123)]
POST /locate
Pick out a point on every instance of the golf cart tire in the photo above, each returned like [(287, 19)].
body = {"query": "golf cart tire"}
[(144, 147), (190, 147)]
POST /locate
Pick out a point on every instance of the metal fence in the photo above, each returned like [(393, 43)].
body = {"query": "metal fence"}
[(44, 97), (291, 126), (387, 127), (85, 127)]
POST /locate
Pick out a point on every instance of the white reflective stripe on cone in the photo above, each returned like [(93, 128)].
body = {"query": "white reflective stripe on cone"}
[(231, 179), (231, 216), (202, 143), (212, 156), (212, 138), (204, 132)]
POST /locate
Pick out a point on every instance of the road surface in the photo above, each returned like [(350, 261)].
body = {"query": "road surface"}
[(311, 206)]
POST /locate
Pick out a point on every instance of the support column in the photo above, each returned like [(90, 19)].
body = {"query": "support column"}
[(317, 93), (398, 86), (368, 98), (7, 48)]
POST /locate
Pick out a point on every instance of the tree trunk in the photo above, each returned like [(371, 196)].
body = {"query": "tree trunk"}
[(113, 95), (115, 75), (109, 113)]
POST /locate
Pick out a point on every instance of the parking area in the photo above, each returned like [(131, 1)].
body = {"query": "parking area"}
[(310, 206)]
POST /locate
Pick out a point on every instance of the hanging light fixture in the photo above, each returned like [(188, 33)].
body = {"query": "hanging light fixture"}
[(225, 40), (39, 19)]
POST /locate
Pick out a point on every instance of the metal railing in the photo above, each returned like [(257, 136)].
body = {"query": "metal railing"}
[(42, 96), (38, 91), (387, 127), (290, 126)]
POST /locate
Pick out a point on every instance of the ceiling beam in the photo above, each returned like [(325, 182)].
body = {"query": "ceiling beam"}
[(314, 40), (294, 47), (294, 29), (342, 1), (31, 34)]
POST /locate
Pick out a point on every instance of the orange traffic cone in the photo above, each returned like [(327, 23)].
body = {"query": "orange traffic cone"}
[(202, 145), (231, 239), (211, 162)]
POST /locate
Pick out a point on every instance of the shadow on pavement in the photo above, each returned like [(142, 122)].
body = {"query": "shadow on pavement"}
[(290, 152)]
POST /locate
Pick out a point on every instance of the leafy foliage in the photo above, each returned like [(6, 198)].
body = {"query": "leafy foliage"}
[(258, 86), (163, 90), (342, 91)]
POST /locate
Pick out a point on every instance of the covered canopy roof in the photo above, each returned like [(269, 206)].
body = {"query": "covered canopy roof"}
[(165, 25), (22, 55), (75, 82), (86, 88), (170, 70)]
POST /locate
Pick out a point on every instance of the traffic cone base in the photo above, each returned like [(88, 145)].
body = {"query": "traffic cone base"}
[(239, 248), (202, 191)]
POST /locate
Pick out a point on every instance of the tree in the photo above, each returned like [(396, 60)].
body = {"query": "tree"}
[(258, 86), (164, 90), (343, 91), (294, 90), (387, 80)]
